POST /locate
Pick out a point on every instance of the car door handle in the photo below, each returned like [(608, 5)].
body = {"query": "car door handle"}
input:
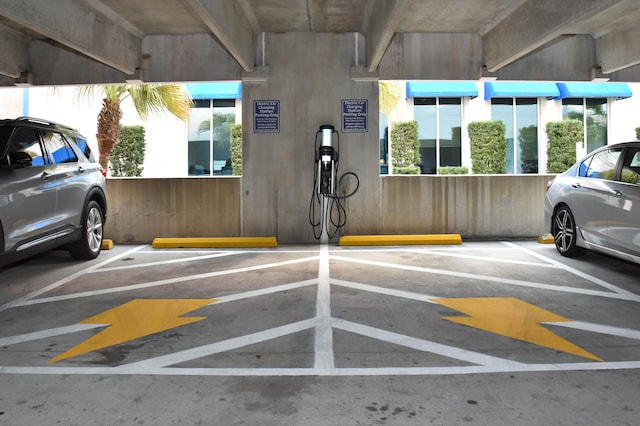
[(45, 176), (81, 169), (616, 193), (576, 185)]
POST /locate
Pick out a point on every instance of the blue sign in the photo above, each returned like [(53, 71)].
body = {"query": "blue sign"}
[(354, 115), (266, 116)]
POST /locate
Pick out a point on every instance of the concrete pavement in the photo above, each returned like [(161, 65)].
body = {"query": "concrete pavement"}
[(503, 332)]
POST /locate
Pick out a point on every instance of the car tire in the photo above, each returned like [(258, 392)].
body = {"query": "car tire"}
[(565, 233), (90, 243)]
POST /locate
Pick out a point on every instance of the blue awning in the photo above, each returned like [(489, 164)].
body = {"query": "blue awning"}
[(441, 89), (520, 89), (217, 90), (594, 90)]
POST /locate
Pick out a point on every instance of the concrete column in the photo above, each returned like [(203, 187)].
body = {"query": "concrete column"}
[(309, 76)]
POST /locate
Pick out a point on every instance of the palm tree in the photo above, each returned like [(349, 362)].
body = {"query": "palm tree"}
[(146, 98)]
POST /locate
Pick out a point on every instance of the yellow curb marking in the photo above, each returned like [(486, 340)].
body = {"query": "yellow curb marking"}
[(135, 319), (510, 317)]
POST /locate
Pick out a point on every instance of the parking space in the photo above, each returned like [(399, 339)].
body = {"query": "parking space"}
[(345, 320)]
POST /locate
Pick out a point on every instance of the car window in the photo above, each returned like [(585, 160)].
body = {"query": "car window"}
[(602, 165), (83, 146), (631, 167), (27, 140), (59, 148)]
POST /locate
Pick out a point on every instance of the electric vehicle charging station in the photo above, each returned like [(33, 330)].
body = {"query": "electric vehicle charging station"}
[(326, 207)]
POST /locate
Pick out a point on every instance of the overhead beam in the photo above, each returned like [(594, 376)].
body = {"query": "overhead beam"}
[(534, 24), (229, 24), (383, 23), (618, 50), (14, 53), (74, 24)]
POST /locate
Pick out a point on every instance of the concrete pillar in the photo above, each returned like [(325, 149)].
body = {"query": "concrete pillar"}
[(309, 76)]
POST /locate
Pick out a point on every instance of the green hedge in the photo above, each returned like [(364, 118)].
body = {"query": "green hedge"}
[(488, 147), (561, 151), (128, 154), (236, 149), (453, 170), (405, 148)]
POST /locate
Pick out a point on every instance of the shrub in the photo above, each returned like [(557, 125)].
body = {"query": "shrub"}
[(561, 151), (638, 133), (128, 154), (236, 149), (488, 147), (453, 170), (405, 148)]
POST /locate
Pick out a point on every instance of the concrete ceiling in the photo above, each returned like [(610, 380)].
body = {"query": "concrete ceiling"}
[(99, 41)]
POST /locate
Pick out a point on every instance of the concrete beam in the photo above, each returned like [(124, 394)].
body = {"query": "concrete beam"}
[(229, 24), (534, 24), (381, 27), (74, 24), (14, 53), (187, 57), (618, 50)]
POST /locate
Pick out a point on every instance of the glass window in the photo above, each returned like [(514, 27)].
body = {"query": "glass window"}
[(59, 148), (439, 131), (520, 117), (602, 165), (384, 143), (27, 140), (592, 112), (631, 167), (209, 146)]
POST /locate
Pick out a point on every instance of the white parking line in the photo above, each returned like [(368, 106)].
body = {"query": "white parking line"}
[(499, 280), (324, 359), (629, 295), (164, 282)]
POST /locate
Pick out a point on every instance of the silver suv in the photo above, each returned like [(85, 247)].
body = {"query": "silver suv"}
[(52, 191)]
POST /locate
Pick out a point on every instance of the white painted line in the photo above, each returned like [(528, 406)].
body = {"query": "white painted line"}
[(25, 299), (214, 348), (324, 357), (422, 345), (166, 262), (167, 281), (499, 280), (386, 291), (43, 334), (262, 291), (599, 328), (276, 372), (574, 271), (486, 258)]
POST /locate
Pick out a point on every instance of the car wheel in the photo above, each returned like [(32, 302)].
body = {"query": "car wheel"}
[(565, 233), (90, 243)]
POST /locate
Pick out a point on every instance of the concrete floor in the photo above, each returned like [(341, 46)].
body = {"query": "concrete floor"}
[(483, 333)]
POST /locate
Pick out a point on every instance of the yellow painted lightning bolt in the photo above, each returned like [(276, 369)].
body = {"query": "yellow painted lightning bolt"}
[(513, 318), (135, 319)]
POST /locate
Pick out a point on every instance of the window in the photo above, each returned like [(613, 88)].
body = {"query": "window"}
[(384, 144), (27, 140), (601, 165), (520, 116), (592, 112), (209, 146), (631, 167), (59, 148), (439, 131)]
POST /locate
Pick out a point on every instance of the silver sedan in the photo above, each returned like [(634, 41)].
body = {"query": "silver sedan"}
[(596, 204)]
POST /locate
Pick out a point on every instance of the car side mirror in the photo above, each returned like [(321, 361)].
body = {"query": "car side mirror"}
[(19, 159)]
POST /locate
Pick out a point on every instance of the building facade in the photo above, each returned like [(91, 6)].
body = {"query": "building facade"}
[(442, 109)]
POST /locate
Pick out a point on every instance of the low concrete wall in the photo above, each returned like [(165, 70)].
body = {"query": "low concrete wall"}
[(469, 205), (143, 209), (473, 206)]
